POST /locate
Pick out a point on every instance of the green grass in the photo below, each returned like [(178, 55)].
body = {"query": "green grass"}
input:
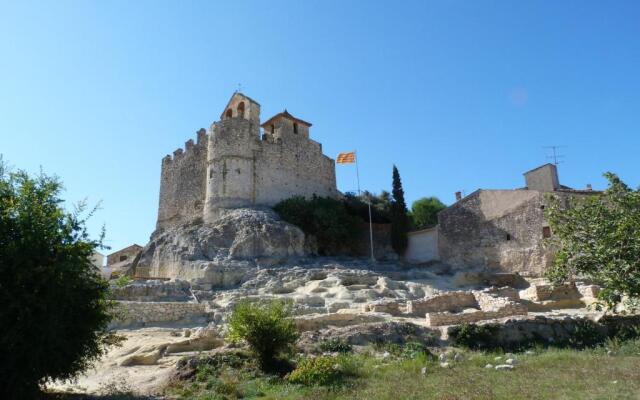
[(547, 374)]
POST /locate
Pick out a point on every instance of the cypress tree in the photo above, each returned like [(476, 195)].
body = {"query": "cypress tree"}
[(399, 217)]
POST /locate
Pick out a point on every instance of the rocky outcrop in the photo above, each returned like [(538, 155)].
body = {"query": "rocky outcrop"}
[(220, 253)]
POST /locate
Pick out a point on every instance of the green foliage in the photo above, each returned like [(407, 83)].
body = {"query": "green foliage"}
[(54, 312), (474, 336), (586, 334), (327, 219), (399, 217), (123, 281), (335, 345), (424, 212), (359, 206), (598, 236), (322, 371), (266, 326)]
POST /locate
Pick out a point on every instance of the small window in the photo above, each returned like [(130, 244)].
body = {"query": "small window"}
[(241, 109), (542, 207), (123, 258), (273, 129), (211, 173), (229, 113), (546, 232), (295, 127), (508, 237)]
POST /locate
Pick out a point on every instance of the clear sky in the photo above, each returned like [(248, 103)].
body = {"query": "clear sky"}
[(459, 95)]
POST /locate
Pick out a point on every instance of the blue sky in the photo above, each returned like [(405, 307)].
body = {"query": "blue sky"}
[(459, 95)]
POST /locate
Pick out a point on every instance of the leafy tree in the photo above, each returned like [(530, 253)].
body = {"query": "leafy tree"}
[(358, 206), (399, 217), (266, 326), (54, 311), (598, 236), (327, 219), (424, 212)]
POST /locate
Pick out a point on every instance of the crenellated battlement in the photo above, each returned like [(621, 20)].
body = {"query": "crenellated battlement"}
[(189, 147), (234, 164)]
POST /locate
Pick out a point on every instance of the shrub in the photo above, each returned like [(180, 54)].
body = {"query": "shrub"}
[(266, 326), (324, 218), (54, 312), (477, 337), (123, 281), (335, 345), (317, 371), (586, 333)]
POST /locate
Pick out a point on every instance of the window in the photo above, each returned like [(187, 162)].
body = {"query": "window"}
[(241, 109), (229, 113), (122, 258), (211, 173), (295, 127), (546, 232), (273, 129), (508, 237)]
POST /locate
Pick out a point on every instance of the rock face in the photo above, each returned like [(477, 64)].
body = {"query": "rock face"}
[(217, 253)]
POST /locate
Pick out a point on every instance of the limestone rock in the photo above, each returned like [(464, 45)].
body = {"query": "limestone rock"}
[(504, 367), (221, 252)]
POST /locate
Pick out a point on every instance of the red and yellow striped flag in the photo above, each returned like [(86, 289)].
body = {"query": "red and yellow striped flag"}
[(346, 158)]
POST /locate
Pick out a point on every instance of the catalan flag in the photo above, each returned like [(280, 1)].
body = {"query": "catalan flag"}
[(346, 158)]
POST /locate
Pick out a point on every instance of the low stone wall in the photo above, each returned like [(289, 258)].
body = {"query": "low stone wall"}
[(153, 290), (543, 292), (131, 314), (511, 333), (446, 318), (383, 306), (451, 301), (320, 321)]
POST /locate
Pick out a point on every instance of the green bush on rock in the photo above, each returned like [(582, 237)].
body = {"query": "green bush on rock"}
[(266, 326)]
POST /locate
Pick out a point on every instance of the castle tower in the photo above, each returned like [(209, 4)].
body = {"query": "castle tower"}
[(231, 158), (284, 125)]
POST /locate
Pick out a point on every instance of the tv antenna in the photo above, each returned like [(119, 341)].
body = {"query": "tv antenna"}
[(555, 154)]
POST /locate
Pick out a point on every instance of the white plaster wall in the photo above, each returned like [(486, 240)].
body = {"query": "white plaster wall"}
[(423, 246)]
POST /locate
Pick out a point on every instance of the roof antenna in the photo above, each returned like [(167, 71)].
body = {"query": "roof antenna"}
[(555, 156), (239, 90)]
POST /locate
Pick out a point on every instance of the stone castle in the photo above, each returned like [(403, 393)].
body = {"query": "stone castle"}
[(237, 164)]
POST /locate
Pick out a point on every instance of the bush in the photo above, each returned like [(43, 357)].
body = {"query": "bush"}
[(320, 371), (266, 326), (324, 218), (335, 345), (123, 281), (477, 337), (54, 312)]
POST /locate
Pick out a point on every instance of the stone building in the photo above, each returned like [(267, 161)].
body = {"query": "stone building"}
[(240, 162), (119, 261), (502, 230)]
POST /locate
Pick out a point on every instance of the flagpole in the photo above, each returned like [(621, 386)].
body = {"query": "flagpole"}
[(368, 205)]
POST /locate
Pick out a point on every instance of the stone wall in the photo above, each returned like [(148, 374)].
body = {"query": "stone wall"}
[(183, 183), (490, 307), (130, 314), (501, 230), (153, 290), (450, 301), (512, 332), (422, 246)]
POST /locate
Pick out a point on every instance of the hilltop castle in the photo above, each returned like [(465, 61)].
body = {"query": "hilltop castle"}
[(234, 165)]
